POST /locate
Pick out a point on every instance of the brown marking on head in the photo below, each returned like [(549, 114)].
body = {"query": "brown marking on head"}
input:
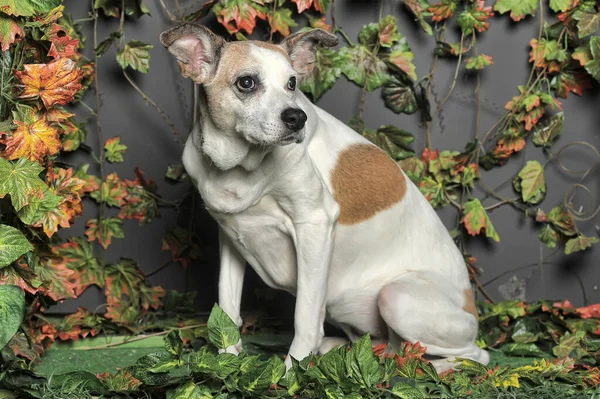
[(469, 306), (272, 47), (365, 182)]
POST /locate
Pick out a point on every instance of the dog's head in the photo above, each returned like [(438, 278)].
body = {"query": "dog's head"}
[(250, 86)]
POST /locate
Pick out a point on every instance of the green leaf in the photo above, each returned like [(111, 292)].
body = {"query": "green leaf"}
[(419, 9), (549, 236), (227, 364), (475, 219), (570, 346), (532, 184), (479, 62), (189, 390), (474, 18), (106, 43), (561, 5), (396, 142), (28, 8), (593, 65), (400, 97), (363, 68), (257, 380), (38, 208), (545, 134), (77, 381), (21, 181), (401, 57), (326, 71), (176, 172), (114, 150), (332, 364), (12, 311), (522, 349), (588, 23), (406, 391), (135, 55), (580, 243), (141, 369), (13, 244), (519, 9), (560, 217), (363, 364), (112, 8), (174, 343), (222, 331), (204, 361)]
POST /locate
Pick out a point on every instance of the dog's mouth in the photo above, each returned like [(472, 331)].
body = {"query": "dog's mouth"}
[(295, 137)]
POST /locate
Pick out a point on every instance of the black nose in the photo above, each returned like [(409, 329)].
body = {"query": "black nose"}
[(294, 118)]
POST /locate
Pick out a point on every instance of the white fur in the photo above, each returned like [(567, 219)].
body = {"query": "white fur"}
[(395, 275)]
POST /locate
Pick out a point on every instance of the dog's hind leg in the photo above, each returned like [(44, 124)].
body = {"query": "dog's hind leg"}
[(417, 307)]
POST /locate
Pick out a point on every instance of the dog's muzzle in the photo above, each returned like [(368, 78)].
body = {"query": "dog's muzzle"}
[(294, 118)]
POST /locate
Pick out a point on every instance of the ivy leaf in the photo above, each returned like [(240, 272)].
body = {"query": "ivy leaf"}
[(546, 134), (549, 236), (106, 43), (433, 191), (12, 312), (105, 231), (182, 246), (588, 23), (324, 74), (13, 244), (36, 210), (58, 279), (475, 18), (547, 53), (562, 220), (123, 278), (401, 57), (135, 55), (363, 68), (56, 83), (112, 191), (114, 150), (562, 5), (442, 10), (583, 54), (73, 135), (396, 142), (419, 9), (479, 62), (222, 331), (400, 97), (78, 255), (388, 34), (20, 180), (141, 202), (593, 65), (9, 29), (532, 184), (570, 346), (238, 15), (33, 139), (579, 243), (319, 5), (281, 20), (112, 8), (519, 9), (176, 172), (28, 8), (476, 219), (566, 81)]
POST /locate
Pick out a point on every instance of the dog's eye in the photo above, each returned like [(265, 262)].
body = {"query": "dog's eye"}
[(292, 83), (245, 83)]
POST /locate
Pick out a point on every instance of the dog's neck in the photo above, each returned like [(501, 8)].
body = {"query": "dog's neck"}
[(226, 151)]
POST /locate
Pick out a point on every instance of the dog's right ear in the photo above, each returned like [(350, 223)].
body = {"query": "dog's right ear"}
[(196, 49)]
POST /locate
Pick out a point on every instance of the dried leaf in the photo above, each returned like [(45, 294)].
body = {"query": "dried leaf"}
[(476, 219)]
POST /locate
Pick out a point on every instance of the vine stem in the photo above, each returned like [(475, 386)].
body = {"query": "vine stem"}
[(160, 268), (99, 129), (270, 27), (148, 100), (139, 338), (333, 19), (460, 54)]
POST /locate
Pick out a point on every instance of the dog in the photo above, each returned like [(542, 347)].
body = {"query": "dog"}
[(315, 208)]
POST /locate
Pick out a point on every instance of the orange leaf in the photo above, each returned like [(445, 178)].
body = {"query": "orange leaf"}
[(55, 83), (32, 140), (589, 312)]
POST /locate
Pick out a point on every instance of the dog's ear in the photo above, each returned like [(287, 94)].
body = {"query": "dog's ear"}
[(196, 49), (302, 47)]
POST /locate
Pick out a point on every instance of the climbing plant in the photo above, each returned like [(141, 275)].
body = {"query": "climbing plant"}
[(44, 74)]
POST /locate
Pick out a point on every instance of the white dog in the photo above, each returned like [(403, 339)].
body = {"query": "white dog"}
[(315, 208)]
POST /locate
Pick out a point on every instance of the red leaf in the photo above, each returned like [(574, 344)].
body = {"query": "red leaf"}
[(592, 311)]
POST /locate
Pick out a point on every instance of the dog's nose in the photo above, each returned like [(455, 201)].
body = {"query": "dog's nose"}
[(294, 118)]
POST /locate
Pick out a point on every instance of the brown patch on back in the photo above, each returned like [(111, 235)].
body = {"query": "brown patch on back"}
[(365, 182), (470, 303)]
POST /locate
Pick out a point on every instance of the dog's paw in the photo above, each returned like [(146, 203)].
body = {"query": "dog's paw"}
[(233, 349)]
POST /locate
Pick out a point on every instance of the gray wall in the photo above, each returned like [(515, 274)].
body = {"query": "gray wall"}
[(152, 147)]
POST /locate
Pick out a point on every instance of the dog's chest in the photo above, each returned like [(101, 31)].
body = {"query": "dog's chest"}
[(263, 236)]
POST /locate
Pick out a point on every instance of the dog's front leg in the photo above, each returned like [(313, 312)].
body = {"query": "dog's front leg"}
[(231, 281), (314, 234)]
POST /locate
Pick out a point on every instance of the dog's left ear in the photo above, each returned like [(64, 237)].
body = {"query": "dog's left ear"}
[(302, 47)]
